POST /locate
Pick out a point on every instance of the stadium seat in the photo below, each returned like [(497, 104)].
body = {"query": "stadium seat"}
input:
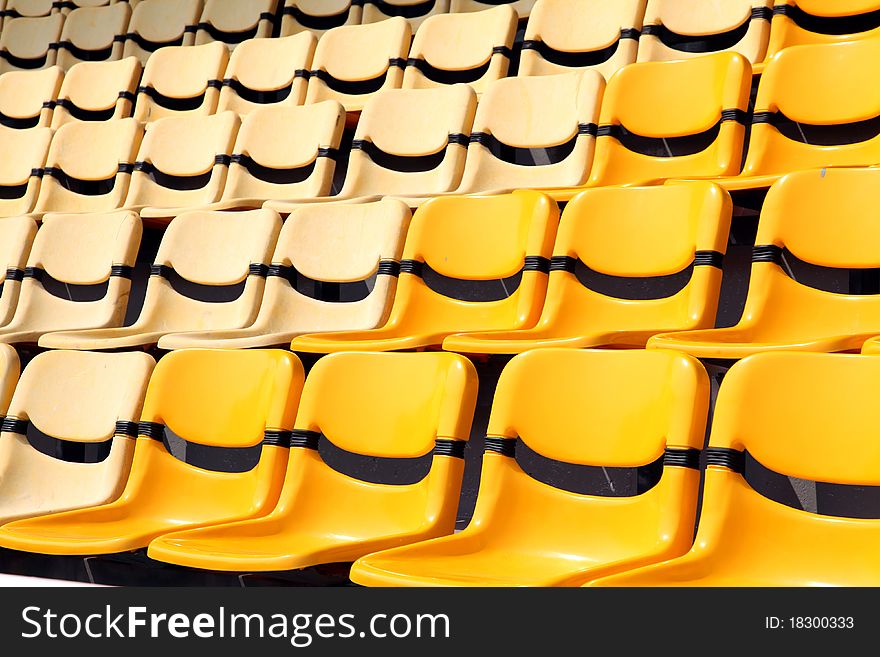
[(28, 8), (209, 273), (27, 97), (267, 72), (469, 264), (92, 34), (414, 11), (808, 416), (78, 275), (10, 368), (562, 35), (471, 48), (157, 24), (89, 166), (680, 29), (24, 154), (183, 162), (318, 16), (182, 80), (16, 238), (328, 516), (68, 437), (335, 268), (577, 408), (782, 312), (629, 263), (97, 91), (523, 7), (353, 63), (232, 21), (408, 141), (213, 399), (25, 43)]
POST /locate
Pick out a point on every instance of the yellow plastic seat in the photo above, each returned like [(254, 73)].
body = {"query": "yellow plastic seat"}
[(220, 399), (808, 416), (334, 268), (157, 24), (628, 263), (92, 34), (498, 246), (182, 163), (97, 91), (84, 407), (16, 239), (408, 141), (24, 154), (780, 312), (326, 516), (232, 21), (265, 72), (27, 97), (355, 62), (209, 273), (609, 409), (563, 35), (78, 275), (414, 11), (25, 43), (681, 29), (461, 48), (182, 80), (523, 7), (318, 16), (29, 8)]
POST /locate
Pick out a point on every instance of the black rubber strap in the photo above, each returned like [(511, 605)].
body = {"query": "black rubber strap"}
[(503, 446), (590, 129), (14, 274), (767, 253), (305, 439), (738, 115), (449, 447), (762, 13), (682, 458), (14, 425), (126, 428), (413, 267), (563, 263), (258, 269), (388, 268), (726, 458), (709, 259), (163, 271), (151, 430), (276, 438), (537, 263), (121, 271)]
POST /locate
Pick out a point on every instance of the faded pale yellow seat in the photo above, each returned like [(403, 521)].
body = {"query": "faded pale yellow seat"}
[(88, 406), (523, 7), (92, 34), (335, 268), (231, 22), (10, 368), (497, 245), (355, 62), (182, 80), (265, 72), (414, 11), (469, 48), (182, 163), (408, 141), (581, 34), (27, 97), (16, 239), (25, 43), (157, 24), (78, 275), (97, 91), (21, 164), (29, 8), (318, 16), (209, 273)]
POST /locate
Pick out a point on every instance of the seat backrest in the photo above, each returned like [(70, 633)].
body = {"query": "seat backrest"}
[(318, 16), (182, 80), (69, 434), (672, 120), (816, 107), (29, 8), (680, 29), (523, 7), (498, 245), (579, 34), (183, 161), (209, 272), (20, 174), (10, 368), (354, 62), (268, 163), (25, 43), (97, 91), (471, 48), (534, 132), (814, 22), (93, 34), (411, 141), (232, 21), (67, 6), (16, 238), (265, 72), (160, 23), (414, 11), (89, 166), (27, 97)]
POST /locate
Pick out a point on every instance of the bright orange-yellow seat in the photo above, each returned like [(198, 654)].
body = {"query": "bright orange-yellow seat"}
[(376, 405), (597, 408)]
